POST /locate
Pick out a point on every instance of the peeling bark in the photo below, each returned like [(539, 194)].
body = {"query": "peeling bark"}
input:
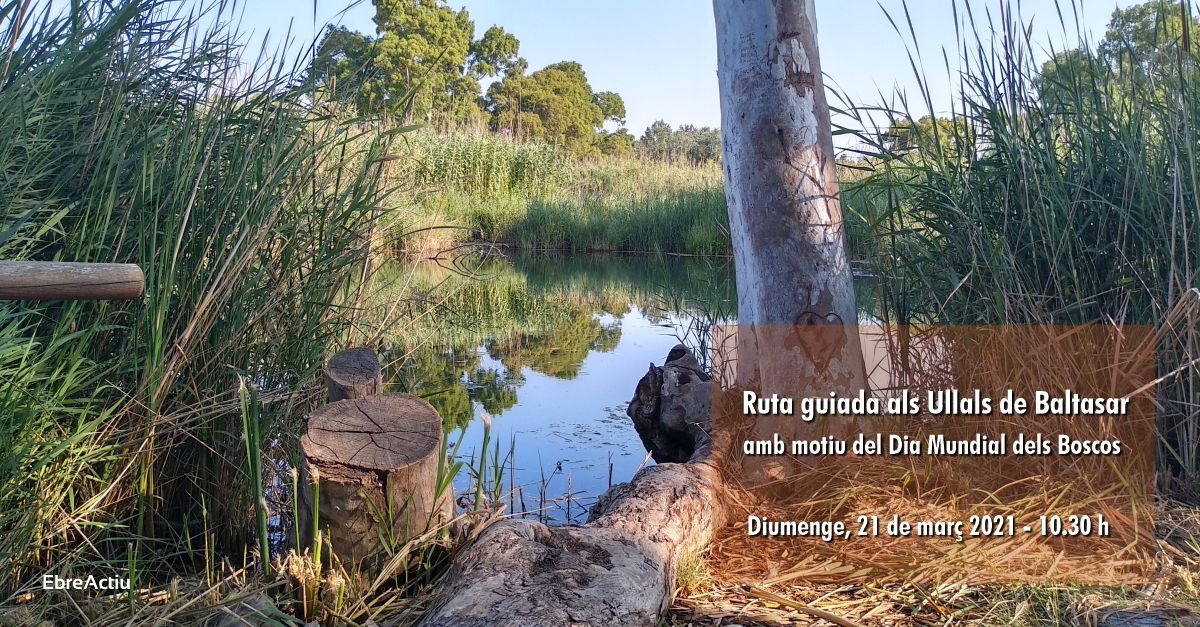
[(785, 215)]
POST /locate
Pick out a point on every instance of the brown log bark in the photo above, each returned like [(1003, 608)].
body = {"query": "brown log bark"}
[(353, 373), (375, 463), (618, 569), (48, 280), (672, 408)]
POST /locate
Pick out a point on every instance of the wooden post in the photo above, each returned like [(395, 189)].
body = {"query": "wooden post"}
[(375, 462), (52, 280), (353, 373)]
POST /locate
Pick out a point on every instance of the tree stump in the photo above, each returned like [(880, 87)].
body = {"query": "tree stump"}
[(375, 463), (672, 408), (353, 373)]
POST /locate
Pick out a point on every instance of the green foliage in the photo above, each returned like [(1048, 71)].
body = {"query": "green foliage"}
[(618, 143), (1142, 54), (484, 165), (494, 53), (422, 51), (1149, 40), (1075, 203), (697, 146), (344, 67), (534, 195), (612, 106), (435, 375), (568, 113), (248, 216), (559, 353), (929, 138), (426, 66)]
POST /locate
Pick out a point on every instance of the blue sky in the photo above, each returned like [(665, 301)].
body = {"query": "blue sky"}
[(660, 55)]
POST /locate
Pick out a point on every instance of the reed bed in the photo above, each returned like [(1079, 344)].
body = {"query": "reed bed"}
[(535, 196), (143, 439), (1065, 196)]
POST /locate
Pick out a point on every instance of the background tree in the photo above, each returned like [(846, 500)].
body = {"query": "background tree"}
[(554, 104), (426, 66), (422, 53), (930, 138), (655, 142), (618, 143), (343, 67), (687, 143), (495, 53), (1141, 56), (611, 105), (1147, 39)]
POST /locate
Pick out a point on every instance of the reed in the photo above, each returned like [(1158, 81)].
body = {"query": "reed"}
[(1063, 196), (534, 196), (139, 137)]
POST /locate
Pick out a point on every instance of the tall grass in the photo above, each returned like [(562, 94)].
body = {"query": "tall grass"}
[(535, 196), (485, 165), (1064, 197), (135, 135)]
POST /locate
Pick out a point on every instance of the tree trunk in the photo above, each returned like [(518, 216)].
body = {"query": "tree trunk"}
[(796, 305), (780, 175), (619, 568), (374, 461)]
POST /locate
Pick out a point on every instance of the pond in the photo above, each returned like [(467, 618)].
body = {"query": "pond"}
[(547, 349)]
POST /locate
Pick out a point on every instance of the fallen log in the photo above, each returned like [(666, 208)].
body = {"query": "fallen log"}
[(672, 408), (374, 462), (620, 567)]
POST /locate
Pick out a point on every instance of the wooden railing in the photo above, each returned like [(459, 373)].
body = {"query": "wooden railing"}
[(52, 280)]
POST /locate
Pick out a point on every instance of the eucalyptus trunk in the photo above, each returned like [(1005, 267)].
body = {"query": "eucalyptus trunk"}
[(784, 210)]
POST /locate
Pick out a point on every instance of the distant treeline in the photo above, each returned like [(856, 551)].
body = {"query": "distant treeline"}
[(426, 66), (686, 144)]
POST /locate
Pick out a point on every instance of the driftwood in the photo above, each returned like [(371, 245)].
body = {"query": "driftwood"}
[(50, 280), (353, 373), (619, 568), (375, 463), (672, 408)]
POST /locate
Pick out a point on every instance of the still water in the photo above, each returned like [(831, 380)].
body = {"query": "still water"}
[(548, 349)]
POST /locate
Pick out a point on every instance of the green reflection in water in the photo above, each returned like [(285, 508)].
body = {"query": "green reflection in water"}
[(546, 313)]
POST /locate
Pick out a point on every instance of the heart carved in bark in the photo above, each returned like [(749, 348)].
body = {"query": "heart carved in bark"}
[(821, 336)]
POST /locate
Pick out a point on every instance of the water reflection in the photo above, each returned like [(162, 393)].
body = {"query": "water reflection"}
[(551, 348)]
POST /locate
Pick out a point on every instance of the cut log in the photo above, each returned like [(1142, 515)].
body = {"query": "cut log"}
[(618, 569), (353, 373), (51, 280), (375, 464)]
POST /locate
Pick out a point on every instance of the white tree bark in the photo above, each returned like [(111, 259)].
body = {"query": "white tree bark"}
[(781, 183), (784, 209)]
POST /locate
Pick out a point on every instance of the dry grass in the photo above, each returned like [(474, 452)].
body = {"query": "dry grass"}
[(799, 590)]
